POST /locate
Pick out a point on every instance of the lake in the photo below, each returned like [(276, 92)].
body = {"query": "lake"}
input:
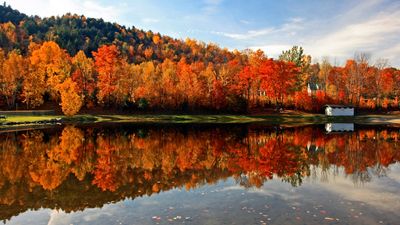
[(200, 174)]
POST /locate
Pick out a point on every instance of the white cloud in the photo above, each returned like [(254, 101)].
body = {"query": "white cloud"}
[(290, 27), (244, 21), (211, 6), (248, 35), (392, 53), (150, 20), (375, 35)]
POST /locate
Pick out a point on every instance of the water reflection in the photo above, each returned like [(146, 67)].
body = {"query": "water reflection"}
[(74, 168), (339, 127)]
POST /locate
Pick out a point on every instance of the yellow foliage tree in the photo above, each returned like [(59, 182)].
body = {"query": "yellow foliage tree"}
[(53, 63), (71, 102), (83, 74), (14, 69)]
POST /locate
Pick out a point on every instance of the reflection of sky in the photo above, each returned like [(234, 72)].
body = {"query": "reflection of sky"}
[(382, 193), (334, 201)]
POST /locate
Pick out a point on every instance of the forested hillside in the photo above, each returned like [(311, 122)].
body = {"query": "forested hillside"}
[(84, 62)]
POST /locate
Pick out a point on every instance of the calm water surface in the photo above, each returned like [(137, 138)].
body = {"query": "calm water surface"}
[(200, 174)]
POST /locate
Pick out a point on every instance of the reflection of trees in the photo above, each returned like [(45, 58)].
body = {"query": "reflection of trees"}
[(87, 167)]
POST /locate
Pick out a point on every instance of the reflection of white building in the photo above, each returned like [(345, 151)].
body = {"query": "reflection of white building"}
[(339, 110), (339, 127)]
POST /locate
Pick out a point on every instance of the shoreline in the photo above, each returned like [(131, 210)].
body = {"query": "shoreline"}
[(15, 121)]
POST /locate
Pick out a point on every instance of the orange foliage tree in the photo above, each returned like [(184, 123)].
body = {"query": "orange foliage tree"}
[(107, 63), (278, 79)]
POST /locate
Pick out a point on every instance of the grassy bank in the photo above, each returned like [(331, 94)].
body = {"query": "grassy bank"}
[(40, 120), (33, 120)]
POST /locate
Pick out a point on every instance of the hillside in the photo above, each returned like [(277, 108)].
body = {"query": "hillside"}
[(76, 32)]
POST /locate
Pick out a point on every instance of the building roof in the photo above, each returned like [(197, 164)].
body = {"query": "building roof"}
[(339, 106)]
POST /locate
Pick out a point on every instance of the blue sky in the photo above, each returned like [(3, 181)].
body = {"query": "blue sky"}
[(334, 28)]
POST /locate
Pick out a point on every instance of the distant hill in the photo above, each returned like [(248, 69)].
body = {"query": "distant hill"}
[(76, 32)]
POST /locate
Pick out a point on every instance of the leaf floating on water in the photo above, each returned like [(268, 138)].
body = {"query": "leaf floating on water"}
[(329, 218), (156, 218), (177, 217)]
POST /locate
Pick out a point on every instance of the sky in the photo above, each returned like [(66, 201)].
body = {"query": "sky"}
[(337, 29)]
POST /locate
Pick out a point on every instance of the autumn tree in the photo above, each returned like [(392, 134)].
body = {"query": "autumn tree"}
[(150, 87), (126, 84), (228, 78), (278, 79), (189, 86), (324, 70), (51, 63), (14, 70), (299, 59), (169, 81), (246, 79), (2, 78), (356, 73), (107, 63), (71, 101), (379, 81), (34, 84), (8, 35), (84, 75)]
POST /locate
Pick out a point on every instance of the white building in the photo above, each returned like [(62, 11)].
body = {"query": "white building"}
[(339, 110)]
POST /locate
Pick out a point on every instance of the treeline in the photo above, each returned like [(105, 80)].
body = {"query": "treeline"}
[(83, 62)]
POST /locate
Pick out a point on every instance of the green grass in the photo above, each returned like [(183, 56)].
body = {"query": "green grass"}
[(18, 120), (21, 119)]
